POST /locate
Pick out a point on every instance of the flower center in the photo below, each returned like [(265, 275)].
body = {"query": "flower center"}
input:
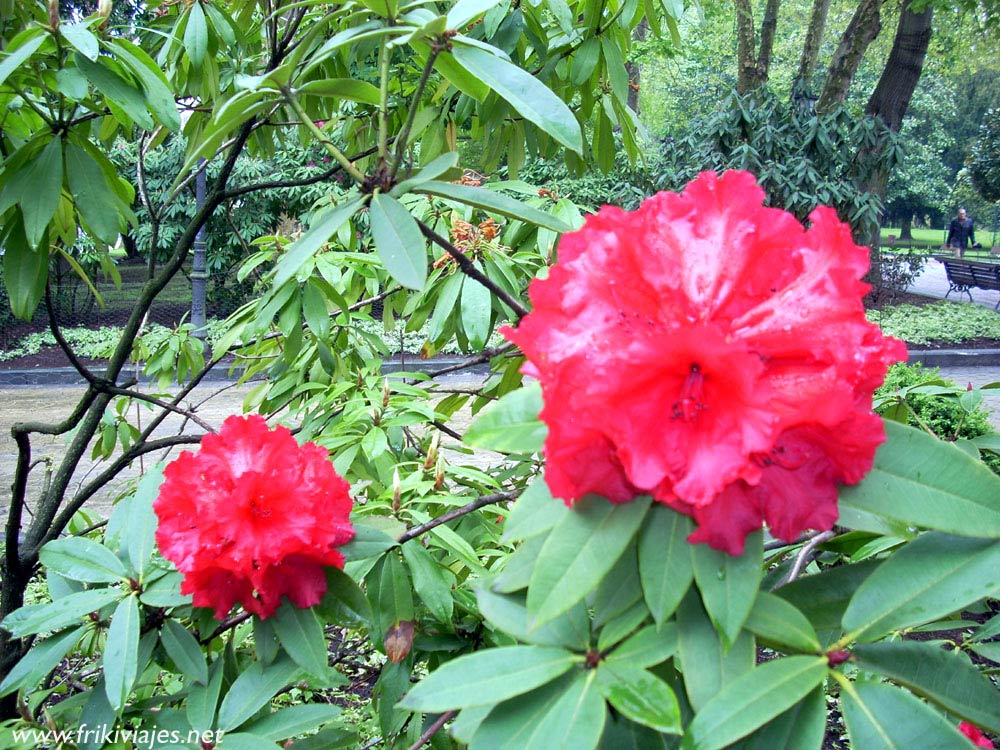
[(687, 407)]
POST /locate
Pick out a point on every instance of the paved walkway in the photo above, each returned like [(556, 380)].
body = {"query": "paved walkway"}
[(933, 282)]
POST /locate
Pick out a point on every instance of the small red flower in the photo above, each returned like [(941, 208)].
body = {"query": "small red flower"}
[(710, 352), (252, 517), (974, 734)]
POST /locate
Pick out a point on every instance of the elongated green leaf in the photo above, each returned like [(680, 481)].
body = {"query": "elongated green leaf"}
[(97, 712), (398, 240), (707, 666), (929, 578), (511, 424), (301, 635), (802, 727), (922, 481), (142, 521), (253, 689), (534, 513), (511, 722), (581, 549), (752, 700), (81, 559), (647, 648), (509, 613), (115, 89), (525, 93), (575, 720), (25, 271), (39, 183), (159, 97), (429, 580), (728, 584), (585, 59), (391, 593), (81, 39), (640, 695), (367, 542), (945, 677), (94, 198), (488, 200), (196, 36), (121, 654), (343, 88), (779, 622), (823, 598), (202, 699), (882, 717), (437, 167), (445, 306), (245, 741), (619, 590), (43, 657), (476, 311), (465, 11), (293, 720), (488, 677), (319, 232), (665, 565), (18, 57), (183, 648), (67, 610)]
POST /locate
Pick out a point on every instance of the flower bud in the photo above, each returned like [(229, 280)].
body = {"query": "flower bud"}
[(398, 641), (397, 491), (439, 474), (104, 9), (53, 14), (385, 393), (432, 452)]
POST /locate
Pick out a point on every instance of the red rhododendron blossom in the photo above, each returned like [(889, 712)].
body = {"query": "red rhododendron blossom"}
[(974, 734), (713, 353), (252, 517)]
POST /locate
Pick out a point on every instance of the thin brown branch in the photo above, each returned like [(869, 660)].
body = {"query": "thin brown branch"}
[(451, 515), (805, 556), (433, 729), (188, 414), (482, 358)]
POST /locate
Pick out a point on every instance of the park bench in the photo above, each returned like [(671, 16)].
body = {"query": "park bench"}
[(964, 274)]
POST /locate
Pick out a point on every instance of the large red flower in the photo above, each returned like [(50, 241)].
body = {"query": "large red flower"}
[(252, 517), (713, 353), (975, 735)]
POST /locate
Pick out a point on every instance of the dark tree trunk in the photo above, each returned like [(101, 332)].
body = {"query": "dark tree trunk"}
[(810, 48), (768, 28), (746, 62), (906, 226), (633, 69), (864, 27)]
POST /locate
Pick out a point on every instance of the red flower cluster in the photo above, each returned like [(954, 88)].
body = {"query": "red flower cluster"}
[(975, 735), (713, 353), (252, 517)]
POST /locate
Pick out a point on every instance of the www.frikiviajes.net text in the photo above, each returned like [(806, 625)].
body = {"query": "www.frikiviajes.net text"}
[(141, 739)]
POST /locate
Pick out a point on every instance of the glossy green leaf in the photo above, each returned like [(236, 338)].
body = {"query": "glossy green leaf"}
[(367, 542), (391, 593), (301, 635), (21, 55), (39, 182), (429, 581), (196, 35), (185, 651), (477, 310), (25, 271), (116, 90), (464, 12), (97, 712), (921, 481), (81, 559), (802, 727), (728, 584), (946, 677), (640, 695), (929, 578), (575, 720), (141, 521), (509, 613), (121, 654), (753, 699), (94, 198), (489, 200), (778, 622), (67, 610), (159, 96), (647, 648), (399, 242), (516, 572), (525, 93), (706, 665), (533, 513), (510, 424), (321, 229), (882, 717), (487, 677), (823, 597), (585, 59), (665, 564), (578, 553), (254, 689), (245, 741), (203, 699), (81, 39), (508, 724), (293, 720), (42, 658), (343, 88), (447, 297), (619, 590)]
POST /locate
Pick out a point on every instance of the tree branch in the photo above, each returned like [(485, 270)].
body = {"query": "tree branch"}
[(451, 515), (433, 729)]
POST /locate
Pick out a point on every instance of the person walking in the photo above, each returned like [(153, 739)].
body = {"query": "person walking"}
[(961, 233)]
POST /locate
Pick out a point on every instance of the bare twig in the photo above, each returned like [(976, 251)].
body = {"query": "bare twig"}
[(433, 729), (451, 515), (805, 556)]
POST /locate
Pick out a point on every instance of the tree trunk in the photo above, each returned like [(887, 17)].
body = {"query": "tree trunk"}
[(810, 48), (768, 27), (906, 226), (746, 63), (860, 33), (634, 72)]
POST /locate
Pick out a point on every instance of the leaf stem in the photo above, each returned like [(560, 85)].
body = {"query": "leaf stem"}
[(311, 126)]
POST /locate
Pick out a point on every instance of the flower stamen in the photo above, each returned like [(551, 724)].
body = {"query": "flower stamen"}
[(690, 403)]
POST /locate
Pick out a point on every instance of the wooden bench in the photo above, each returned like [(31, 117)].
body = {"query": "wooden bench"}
[(965, 274)]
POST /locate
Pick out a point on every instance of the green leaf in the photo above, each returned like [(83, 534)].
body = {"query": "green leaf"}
[(728, 584), (641, 696), (40, 618), (202, 699), (429, 581), (665, 565), (20, 56), (398, 240), (390, 593), (116, 90), (244, 741), (81, 39), (508, 724), (25, 271), (476, 311), (39, 183), (945, 677), (183, 648), (344, 601), (706, 665), (509, 613), (510, 424), (619, 590), (578, 553), (301, 635), (489, 200), (930, 577), (585, 59), (921, 481), (464, 12), (81, 559), (367, 542), (97, 712), (447, 296), (575, 720), (753, 699), (343, 88), (196, 36), (525, 93), (882, 717), (159, 96), (778, 622), (42, 658), (320, 231), (293, 720), (487, 677), (94, 198), (823, 597), (254, 689), (121, 654), (802, 727), (141, 520)]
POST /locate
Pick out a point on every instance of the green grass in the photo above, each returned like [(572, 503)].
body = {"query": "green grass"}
[(943, 322), (922, 236)]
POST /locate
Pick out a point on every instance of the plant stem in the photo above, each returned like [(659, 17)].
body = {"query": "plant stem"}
[(311, 126), (404, 135)]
